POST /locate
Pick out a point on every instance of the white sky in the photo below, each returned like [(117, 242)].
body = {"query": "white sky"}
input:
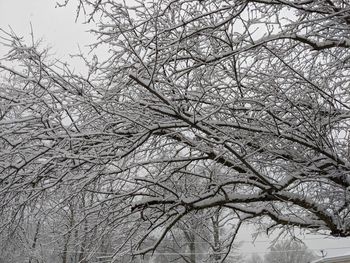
[(56, 26), (58, 29)]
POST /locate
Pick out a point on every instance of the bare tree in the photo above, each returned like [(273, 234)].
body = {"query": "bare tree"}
[(289, 252), (258, 90), (255, 258)]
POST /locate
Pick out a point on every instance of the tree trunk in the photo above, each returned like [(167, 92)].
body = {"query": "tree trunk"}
[(192, 252), (190, 237), (35, 239), (65, 248), (216, 237)]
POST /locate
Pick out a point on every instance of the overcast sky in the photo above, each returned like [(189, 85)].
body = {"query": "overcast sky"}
[(58, 29), (56, 26)]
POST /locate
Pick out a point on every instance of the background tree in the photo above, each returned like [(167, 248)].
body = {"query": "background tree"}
[(255, 258), (289, 252), (235, 86), (286, 251)]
